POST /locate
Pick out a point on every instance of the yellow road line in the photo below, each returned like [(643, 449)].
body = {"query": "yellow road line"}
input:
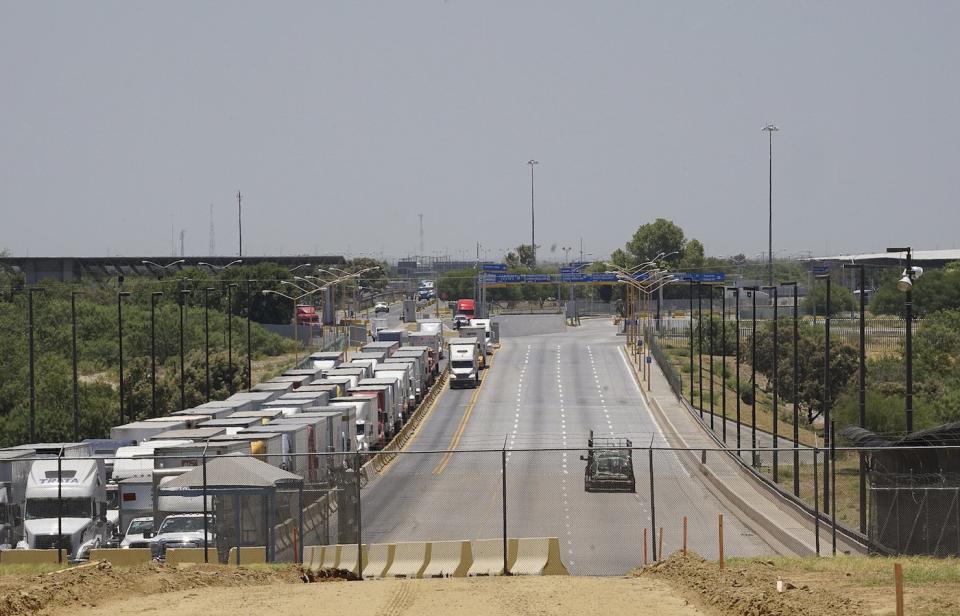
[(462, 425)]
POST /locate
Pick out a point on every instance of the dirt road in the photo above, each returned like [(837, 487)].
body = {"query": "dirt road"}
[(543, 596)]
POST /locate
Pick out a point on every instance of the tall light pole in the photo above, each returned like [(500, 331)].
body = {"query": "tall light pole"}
[(770, 129), (905, 286), (533, 220)]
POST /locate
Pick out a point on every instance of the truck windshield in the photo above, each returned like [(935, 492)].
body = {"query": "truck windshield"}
[(138, 527), (40, 508), (184, 525), (461, 363)]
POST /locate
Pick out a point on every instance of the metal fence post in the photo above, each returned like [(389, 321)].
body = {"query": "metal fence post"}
[(60, 506), (299, 554), (206, 548), (356, 477), (653, 507), (833, 487), (503, 483), (816, 501)]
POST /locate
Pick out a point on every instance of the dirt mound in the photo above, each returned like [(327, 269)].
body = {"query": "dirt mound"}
[(746, 590), (88, 585)]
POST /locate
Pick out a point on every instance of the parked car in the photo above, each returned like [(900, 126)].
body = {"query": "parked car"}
[(381, 307)]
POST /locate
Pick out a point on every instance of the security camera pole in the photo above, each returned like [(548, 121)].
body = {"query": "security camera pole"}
[(908, 299)]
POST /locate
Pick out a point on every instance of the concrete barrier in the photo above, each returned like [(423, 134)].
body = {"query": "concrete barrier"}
[(313, 557), (410, 559), (31, 557), (119, 557), (176, 556), (538, 556), (347, 558), (379, 559), (252, 555), (488, 556), (448, 559)]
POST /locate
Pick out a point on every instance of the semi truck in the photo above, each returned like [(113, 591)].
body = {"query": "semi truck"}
[(66, 506), (465, 362)]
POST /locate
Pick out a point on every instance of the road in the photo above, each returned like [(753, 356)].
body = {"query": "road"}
[(546, 391)]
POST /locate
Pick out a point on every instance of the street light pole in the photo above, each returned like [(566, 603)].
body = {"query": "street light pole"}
[(533, 221), (827, 434), (862, 397), (33, 387), (76, 379), (691, 341), (120, 296), (183, 392), (908, 298), (770, 129), (153, 351), (796, 386), (206, 337), (249, 343), (230, 288), (776, 380)]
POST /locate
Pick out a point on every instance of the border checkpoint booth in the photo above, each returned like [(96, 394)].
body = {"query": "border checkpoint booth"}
[(255, 504)]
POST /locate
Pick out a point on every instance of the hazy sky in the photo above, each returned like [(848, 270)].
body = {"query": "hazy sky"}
[(341, 121)]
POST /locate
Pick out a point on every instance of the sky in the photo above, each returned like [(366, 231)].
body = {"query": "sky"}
[(341, 121)]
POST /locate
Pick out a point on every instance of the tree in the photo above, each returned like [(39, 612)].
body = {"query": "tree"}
[(843, 364), (522, 257), (841, 299), (458, 284), (693, 255), (659, 237)]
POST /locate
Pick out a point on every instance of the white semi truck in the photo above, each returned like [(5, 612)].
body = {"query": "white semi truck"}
[(465, 362), (69, 504)]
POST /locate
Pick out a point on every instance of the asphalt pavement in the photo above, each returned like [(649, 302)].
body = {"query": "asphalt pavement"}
[(546, 391)]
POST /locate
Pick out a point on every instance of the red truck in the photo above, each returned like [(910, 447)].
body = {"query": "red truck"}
[(307, 315)]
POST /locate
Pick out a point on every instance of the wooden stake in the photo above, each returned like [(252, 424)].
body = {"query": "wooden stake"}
[(644, 547), (684, 535), (660, 544), (721, 541), (898, 582)]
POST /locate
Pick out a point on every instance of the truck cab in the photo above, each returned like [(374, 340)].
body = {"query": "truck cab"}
[(71, 500), (465, 362)]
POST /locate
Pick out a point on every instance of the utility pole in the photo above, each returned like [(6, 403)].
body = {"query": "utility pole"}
[(183, 233), (421, 234), (533, 220), (240, 223)]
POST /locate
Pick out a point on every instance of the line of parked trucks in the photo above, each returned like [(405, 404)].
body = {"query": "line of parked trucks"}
[(106, 492)]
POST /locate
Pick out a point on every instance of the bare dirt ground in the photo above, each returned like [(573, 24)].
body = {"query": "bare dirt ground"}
[(212, 591), (678, 586), (851, 585)]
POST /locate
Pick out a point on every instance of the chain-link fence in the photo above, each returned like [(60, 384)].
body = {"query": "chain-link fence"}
[(610, 508)]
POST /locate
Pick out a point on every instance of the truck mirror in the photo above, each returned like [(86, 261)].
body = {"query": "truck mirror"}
[(149, 534), (584, 458)]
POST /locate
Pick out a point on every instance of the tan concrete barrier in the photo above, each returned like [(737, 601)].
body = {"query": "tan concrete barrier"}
[(120, 557), (31, 557), (176, 556), (488, 556), (313, 557), (538, 556), (251, 555), (347, 558), (410, 559), (448, 559), (379, 559)]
